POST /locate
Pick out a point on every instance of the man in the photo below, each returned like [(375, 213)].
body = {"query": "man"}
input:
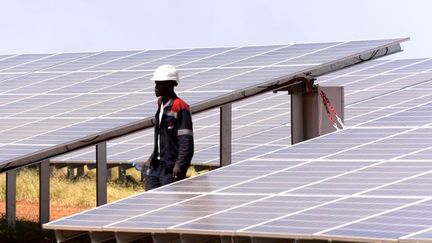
[(173, 136)]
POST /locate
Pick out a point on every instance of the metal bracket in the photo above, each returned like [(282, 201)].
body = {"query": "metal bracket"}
[(304, 82)]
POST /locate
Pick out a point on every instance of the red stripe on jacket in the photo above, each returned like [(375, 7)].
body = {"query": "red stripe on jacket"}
[(179, 105)]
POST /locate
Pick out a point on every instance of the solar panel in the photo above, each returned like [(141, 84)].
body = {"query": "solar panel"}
[(12, 61), (369, 182), (322, 188), (266, 117), (82, 107)]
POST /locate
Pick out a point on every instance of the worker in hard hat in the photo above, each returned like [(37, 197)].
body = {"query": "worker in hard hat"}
[(173, 140)]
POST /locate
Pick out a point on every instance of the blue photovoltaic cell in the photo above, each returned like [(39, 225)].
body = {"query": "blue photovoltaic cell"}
[(133, 60), (185, 211), (8, 63), (182, 58), (91, 60), (338, 212), (281, 55), (419, 66), (124, 209), (48, 62), (393, 224), (234, 56), (394, 66)]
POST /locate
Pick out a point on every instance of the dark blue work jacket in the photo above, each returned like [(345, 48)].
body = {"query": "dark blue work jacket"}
[(176, 135)]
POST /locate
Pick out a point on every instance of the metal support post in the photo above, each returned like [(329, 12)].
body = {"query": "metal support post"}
[(225, 136), (11, 198), (309, 117), (44, 191), (101, 173), (80, 171), (70, 172)]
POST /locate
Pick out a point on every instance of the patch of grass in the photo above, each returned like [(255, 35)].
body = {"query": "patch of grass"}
[(78, 192)]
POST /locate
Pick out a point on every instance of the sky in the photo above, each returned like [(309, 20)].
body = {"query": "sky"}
[(55, 26)]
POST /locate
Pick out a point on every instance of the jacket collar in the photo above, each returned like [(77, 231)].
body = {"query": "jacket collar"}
[(170, 100)]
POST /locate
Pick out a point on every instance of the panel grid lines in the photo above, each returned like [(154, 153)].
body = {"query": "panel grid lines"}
[(371, 166)]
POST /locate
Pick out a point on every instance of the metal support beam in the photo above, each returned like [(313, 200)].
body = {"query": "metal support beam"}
[(101, 173), (129, 237), (242, 239), (225, 135), (11, 198), (297, 117), (44, 191), (163, 238), (186, 238), (97, 237), (269, 240), (227, 239)]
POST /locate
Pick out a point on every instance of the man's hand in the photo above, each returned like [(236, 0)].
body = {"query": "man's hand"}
[(177, 172)]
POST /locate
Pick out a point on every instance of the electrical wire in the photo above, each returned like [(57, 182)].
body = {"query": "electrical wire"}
[(373, 55)]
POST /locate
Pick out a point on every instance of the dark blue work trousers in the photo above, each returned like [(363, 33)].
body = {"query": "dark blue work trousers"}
[(161, 176), (158, 176)]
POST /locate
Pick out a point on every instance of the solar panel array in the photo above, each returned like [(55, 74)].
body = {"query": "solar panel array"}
[(262, 123), (51, 101), (369, 182)]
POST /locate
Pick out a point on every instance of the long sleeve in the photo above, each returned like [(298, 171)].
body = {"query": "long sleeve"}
[(184, 134)]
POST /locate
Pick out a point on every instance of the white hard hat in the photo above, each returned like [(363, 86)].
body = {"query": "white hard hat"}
[(165, 73)]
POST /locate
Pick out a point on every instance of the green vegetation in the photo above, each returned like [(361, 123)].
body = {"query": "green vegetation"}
[(79, 192)]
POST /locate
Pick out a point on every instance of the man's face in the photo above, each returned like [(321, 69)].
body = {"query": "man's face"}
[(164, 88)]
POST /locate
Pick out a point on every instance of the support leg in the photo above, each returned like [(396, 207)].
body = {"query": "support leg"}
[(101, 174), (44, 191), (225, 135), (11, 198)]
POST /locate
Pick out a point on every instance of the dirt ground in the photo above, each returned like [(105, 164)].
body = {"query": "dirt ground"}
[(29, 211)]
